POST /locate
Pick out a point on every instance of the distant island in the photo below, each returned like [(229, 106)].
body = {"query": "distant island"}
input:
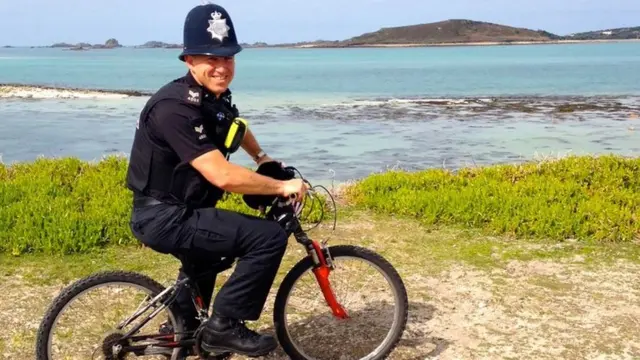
[(159, 45), (109, 44), (466, 32), (443, 33)]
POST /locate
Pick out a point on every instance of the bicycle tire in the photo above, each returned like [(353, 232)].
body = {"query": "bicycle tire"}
[(338, 251), (81, 285)]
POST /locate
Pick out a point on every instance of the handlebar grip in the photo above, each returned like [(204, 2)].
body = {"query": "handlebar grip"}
[(289, 171)]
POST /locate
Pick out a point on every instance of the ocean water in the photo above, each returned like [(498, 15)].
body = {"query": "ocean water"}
[(341, 114)]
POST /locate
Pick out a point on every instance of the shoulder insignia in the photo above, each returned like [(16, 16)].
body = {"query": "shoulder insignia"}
[(194, 95)]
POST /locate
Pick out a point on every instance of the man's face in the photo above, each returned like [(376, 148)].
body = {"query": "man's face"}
[(214, 73)]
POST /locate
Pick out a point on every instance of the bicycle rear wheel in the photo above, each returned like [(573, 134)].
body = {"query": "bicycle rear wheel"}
[(89, 331), (308, 333)]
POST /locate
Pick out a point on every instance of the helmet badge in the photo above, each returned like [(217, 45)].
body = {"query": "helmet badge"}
[(218, 26)]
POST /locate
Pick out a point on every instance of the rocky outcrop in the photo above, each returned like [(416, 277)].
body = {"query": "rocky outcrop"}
[(159, 45), (112, 43), (109, 44)]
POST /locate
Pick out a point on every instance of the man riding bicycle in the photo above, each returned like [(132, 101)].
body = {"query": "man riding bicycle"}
[(179, 170)]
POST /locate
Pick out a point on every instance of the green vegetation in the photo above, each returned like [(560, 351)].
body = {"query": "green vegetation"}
[(608, 34), (449, 31), (587, 198), (68, 206), (460, 31), (65, 206)]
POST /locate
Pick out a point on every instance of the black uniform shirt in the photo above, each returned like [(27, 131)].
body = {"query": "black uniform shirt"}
[(179, 124)]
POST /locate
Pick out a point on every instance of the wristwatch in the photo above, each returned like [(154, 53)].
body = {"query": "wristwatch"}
[(260, 155)]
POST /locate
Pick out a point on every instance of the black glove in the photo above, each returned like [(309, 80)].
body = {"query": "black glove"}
[(273, 169)]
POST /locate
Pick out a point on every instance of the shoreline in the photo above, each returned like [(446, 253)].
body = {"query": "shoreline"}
[(453, 44), (38, 91), (35, 91)]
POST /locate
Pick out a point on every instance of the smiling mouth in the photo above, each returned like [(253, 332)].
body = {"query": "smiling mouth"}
[(220, 77)]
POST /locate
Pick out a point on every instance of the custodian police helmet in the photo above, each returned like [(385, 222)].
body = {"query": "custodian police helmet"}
[(208, 30)]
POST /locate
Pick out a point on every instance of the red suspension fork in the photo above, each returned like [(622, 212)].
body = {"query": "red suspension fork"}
[(322, 271)]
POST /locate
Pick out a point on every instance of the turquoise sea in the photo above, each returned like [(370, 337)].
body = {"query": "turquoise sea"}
[(344, 113)]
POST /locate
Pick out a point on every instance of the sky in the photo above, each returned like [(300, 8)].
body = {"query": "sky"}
[(134, 22)]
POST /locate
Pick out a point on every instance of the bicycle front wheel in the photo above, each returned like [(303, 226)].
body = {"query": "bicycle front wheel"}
[(377, 308)]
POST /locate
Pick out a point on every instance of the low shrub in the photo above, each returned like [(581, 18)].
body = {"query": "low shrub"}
[(582, 197), (68, 205)]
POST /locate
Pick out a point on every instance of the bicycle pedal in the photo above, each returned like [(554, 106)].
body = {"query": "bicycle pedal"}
[(165, 328)]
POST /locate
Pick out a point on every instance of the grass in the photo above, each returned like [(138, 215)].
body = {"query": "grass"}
[(408, 243), (551, 283), (66, 206)]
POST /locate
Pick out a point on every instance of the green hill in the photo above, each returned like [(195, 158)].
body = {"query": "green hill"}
[(463, 31), (450, 31), (608, 34)]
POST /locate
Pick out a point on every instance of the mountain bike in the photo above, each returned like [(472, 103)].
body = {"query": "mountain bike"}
[(121, 336)]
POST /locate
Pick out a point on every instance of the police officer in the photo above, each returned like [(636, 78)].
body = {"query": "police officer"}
[(179, 170)]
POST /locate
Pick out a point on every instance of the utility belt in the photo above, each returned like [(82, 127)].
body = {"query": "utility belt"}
[(140, 201)]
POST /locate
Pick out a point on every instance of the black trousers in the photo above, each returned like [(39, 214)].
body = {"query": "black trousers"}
[(200, 236)]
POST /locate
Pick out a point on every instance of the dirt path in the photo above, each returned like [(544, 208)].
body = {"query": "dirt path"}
[(471, 296), (530, 310), (526, 310)]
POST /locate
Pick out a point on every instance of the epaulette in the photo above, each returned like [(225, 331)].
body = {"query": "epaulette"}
[(193, 95)]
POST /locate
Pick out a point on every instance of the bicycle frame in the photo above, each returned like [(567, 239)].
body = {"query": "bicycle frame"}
[(163, 343)]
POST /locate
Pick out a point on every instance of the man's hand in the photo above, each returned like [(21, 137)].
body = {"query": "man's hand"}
[(295, 187)]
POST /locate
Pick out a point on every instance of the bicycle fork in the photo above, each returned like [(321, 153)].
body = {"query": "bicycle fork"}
[(323, 266)]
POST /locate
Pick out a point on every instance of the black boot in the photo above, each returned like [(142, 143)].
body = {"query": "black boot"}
[(229, 335)]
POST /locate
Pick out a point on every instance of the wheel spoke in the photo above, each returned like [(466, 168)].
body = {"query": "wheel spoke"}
[(81, 323)]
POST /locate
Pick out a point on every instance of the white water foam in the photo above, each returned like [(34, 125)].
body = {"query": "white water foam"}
[(34, 92), (400, 101)]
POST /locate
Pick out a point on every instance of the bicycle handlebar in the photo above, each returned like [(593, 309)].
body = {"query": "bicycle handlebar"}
[(287, 211)]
